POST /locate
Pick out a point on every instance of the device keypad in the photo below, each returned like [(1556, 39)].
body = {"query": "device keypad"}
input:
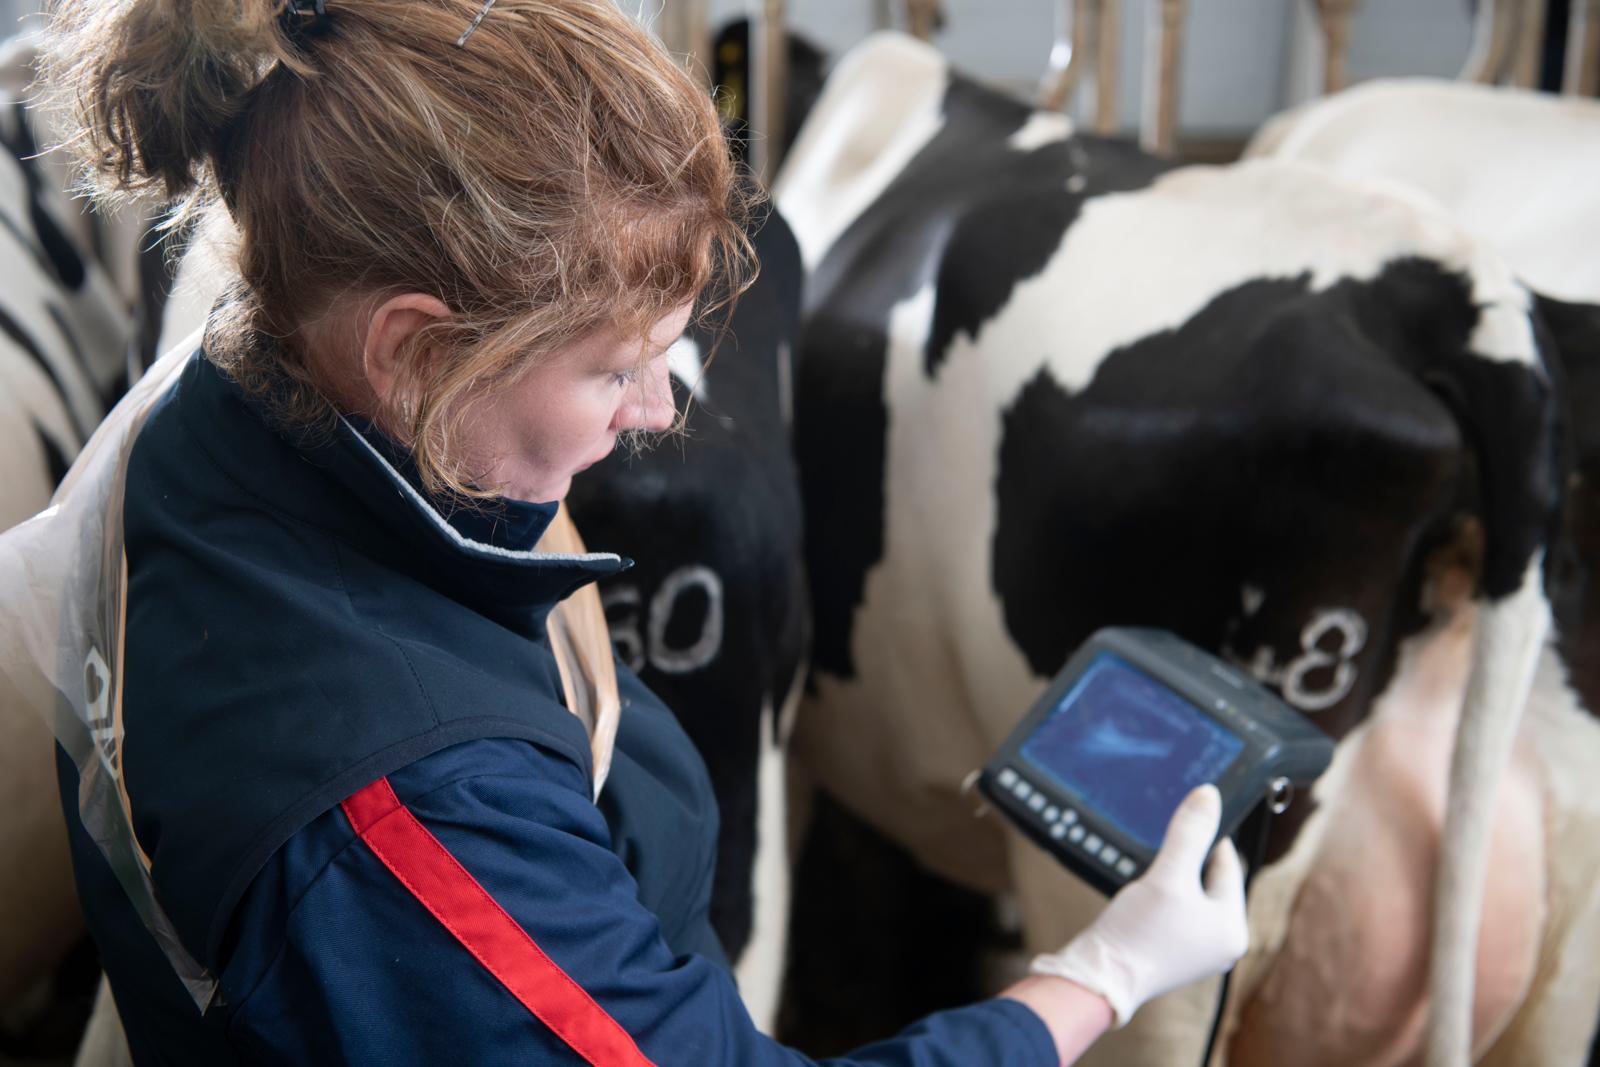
[(1062, 823)]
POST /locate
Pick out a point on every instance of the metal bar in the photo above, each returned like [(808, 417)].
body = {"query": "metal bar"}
[(1055, 89), (1528, 59), (923, 17), (1335, 16), (685, 29), (1491, 41), (1158, 129), (1108, 24), (1581, 75), (768, 76)]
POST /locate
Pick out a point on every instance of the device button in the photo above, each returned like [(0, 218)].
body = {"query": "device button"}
[(1075, 834), (1052, 813), (1093, 843), (1109, 855), (1008, 777), (1037, 802), (1058, 831), (1125, 867), (1069, 816), (1022, 790)]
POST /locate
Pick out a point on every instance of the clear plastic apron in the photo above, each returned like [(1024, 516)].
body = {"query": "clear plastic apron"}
[(63, 612)]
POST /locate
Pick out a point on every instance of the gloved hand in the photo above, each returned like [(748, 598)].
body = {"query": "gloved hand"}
[(1165, 929)]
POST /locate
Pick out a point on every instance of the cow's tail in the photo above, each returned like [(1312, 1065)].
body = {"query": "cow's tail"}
[(1506, 645), (1508, 409)]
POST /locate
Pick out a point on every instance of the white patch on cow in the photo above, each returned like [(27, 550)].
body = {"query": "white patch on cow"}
[(880, 106), (760, 967), (29, 406), (104, 1042), (1532, 196), (685, 364), (1555, 1022), (708, 643), (29, 294), (929, 640), (1114, 279), (1042, 128)]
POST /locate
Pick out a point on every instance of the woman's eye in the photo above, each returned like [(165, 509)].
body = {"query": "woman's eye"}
[(625, 377)]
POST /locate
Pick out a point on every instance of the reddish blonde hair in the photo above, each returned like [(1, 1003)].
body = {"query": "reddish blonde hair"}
[(555, 175)]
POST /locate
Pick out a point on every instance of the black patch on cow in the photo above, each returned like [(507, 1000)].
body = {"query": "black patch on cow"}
[(1313, 445), (973, 217), (56, 461), (25, 341), (1423, 317), (1022, 218), (726, 497), (912, 942), (1572, 334)]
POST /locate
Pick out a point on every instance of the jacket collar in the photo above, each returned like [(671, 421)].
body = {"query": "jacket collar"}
[(339, 480)]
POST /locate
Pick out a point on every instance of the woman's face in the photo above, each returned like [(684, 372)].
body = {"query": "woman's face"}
[(565, 414)]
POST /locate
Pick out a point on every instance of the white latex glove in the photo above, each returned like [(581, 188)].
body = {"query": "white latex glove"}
[(1165, 929)]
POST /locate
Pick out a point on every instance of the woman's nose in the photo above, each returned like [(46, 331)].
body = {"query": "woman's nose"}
[(651, 407)]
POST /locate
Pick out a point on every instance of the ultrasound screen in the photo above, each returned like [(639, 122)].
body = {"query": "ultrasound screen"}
[(1130, 747)]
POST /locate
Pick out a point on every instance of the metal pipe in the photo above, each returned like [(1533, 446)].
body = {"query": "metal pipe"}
[(1491, 41), (1158, 129), (1108, 26), (1581, 75), (1528, 59), (685, 29), (1335, 16), (923, 17), (1055, 90), (768, 76)]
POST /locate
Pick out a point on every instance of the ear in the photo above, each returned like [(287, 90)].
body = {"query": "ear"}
[(392, 324)]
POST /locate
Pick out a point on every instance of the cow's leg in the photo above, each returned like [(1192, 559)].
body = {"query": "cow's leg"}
[(1350, 983), (876, 941), (39, 916), (104, 1042), (759, 968)]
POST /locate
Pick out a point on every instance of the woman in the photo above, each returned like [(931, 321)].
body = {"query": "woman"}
[(467, 237)]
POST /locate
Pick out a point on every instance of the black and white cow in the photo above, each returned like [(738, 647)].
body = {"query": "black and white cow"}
[(1048, 383), (65, 333), (714, 615), (1514, 167)]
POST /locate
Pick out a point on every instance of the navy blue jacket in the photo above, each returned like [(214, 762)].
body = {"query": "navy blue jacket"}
[(368, 812)]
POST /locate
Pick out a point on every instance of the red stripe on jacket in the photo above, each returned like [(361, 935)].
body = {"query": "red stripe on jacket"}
[(439, 882)]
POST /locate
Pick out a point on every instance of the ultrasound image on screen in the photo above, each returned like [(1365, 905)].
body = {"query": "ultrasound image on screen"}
[(1130, 747)]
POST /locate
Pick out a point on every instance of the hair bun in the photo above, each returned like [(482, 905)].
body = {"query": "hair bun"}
[(148, 86)]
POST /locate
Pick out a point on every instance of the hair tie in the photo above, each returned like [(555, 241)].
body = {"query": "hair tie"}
[(303, 18)]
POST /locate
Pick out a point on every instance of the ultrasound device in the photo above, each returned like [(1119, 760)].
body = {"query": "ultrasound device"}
[(1135, 720)]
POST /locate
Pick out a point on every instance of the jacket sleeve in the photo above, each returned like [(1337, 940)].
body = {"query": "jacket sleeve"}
[(379, 948)]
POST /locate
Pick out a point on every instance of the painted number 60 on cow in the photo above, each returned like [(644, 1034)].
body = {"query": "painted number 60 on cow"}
[(677, 593)]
